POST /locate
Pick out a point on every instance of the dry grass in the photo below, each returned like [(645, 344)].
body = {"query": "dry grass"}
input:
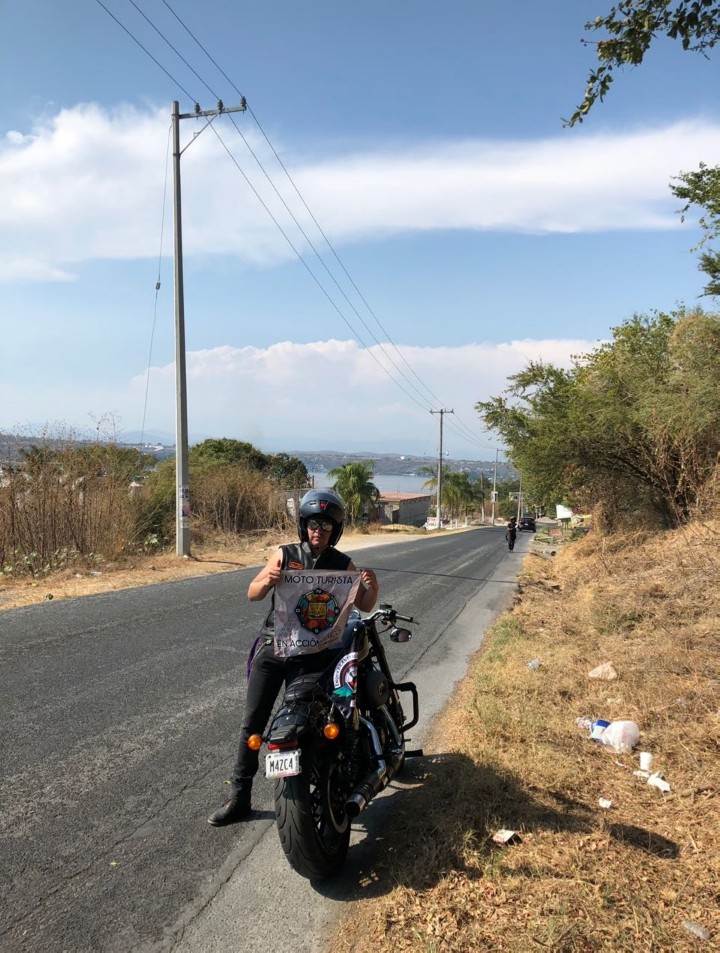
[(211, 553), (509, 754)]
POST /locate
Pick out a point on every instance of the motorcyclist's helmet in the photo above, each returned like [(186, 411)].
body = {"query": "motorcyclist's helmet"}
[(321, 504)]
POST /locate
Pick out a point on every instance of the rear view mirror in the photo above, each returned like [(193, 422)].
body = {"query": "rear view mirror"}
[(400, 635)]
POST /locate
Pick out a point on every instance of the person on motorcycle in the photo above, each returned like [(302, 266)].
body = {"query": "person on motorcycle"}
[(321, 518)]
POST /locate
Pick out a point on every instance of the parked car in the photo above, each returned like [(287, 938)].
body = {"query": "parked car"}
[(526, 522)]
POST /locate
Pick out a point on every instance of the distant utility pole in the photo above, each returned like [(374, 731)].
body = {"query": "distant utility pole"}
[(182, 475), (494, 490), (440, 457), (520, 507)]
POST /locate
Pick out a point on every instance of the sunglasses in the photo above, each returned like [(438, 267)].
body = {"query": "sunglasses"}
[(325, 525)]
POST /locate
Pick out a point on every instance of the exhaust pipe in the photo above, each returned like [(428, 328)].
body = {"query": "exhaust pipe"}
[(380, 778)]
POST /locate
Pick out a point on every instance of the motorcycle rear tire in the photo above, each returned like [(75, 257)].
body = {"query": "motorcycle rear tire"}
[(311, 821)]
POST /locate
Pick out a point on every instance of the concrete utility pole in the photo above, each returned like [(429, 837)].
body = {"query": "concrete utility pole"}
[(439, 476), (494, 490), (182, 475), (520, 503)]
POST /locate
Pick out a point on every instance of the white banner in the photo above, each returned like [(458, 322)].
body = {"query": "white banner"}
[(311, 609)]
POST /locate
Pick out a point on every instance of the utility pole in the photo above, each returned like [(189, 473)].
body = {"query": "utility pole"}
[(494, 490), (439, 476), (482, 495), (520, 503), (182, 475)]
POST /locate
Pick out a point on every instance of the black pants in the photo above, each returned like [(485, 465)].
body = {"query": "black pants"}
[(267, 674)]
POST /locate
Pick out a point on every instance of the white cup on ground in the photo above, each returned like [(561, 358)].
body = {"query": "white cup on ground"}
[(645, 760)]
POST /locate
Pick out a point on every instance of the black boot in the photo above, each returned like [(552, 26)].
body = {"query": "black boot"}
[(235, 808)]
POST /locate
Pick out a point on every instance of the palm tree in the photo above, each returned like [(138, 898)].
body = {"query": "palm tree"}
[(458, 492), (353, 481)]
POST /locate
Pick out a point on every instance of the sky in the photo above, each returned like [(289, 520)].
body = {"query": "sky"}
[(397, 223)]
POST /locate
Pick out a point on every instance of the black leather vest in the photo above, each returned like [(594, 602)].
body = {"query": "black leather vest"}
[(299, 556)]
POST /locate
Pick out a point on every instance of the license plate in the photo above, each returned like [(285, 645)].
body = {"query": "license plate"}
[(282, 764)]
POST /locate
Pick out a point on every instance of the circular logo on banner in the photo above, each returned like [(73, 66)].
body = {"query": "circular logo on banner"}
[(317, 611)]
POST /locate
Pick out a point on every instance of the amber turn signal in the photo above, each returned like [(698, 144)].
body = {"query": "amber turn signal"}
[(255, 742), (331, 731)]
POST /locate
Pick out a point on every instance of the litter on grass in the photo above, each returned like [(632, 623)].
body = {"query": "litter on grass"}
[(606, 672), (504, 837), (659, 782), (697, 929)]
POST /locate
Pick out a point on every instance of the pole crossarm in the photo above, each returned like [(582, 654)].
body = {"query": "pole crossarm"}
[(221, 108)]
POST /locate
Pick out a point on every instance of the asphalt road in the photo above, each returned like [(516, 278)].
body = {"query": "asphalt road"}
[(119, 714)]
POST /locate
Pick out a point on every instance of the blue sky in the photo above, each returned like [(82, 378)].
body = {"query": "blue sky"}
[(427, 141)]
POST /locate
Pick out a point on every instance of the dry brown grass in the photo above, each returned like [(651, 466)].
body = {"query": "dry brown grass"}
[(211, 553), (509, 754)]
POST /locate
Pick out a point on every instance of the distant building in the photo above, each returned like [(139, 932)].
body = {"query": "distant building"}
[(404, 509)]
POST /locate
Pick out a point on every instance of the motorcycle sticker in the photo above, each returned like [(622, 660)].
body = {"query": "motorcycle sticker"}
[(345, 680)]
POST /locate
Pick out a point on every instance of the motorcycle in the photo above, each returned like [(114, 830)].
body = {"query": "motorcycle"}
[(336, 741)]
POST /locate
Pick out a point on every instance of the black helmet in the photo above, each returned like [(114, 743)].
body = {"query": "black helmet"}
[(322, 504)]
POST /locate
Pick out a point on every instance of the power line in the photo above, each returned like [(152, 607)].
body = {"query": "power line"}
[(310, 271), (306, 206), (470, 435), (157, 288), (274, 219), (135, 40)]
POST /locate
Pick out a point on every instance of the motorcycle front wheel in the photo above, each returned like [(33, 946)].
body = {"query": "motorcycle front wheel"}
[(311, 820)]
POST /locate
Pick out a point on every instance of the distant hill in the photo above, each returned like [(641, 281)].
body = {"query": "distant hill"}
[(395, 465), (316, 461)]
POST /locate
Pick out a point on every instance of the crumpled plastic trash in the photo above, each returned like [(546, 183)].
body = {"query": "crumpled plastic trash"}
[(697, 929), (622, 736), (606, 672), (659, 782)]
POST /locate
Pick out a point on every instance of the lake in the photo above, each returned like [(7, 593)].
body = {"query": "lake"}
[(385, 482)]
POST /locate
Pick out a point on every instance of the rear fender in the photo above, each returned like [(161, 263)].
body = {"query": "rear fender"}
[(290, 724)]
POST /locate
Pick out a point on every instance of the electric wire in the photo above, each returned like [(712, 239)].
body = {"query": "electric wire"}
[(309, 270), (158, 284), (305, 205), (307, 238), (135, 40), (175, 50), (469, 434)]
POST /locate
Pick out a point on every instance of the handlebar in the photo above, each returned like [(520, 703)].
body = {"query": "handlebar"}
[(387, 614)]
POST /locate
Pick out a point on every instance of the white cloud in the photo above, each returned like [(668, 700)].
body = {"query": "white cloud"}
[(334, 394), (88, 183)]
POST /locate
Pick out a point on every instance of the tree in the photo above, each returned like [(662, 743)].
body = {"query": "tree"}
[(459, 493), (279, 468), (353, 481), (702, 189), (227, 451), (633, 26), (632, 426)]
